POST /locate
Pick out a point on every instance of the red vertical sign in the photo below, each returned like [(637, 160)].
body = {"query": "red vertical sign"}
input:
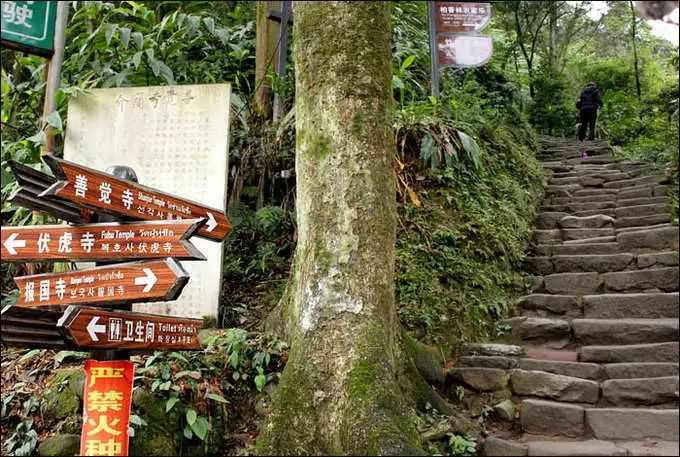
[(106, 407)]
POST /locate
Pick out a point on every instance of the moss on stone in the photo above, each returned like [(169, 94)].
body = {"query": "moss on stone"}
[(162, 434), (63, 394)]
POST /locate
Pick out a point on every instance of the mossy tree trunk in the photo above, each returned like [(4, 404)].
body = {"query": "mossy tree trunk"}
[(340, 392)]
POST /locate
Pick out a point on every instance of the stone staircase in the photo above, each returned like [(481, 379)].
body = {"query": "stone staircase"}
[(591, 364)]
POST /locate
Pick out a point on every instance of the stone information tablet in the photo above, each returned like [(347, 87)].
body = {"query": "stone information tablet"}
[(176, 140)]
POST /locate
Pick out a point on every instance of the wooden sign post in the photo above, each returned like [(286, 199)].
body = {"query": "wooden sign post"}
[(101, 242), (105, 193), (112, 284), (96, 329)]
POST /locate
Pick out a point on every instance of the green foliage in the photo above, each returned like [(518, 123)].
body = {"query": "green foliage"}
[(24, 439), (553, 108), (462, 446), (198, 386)]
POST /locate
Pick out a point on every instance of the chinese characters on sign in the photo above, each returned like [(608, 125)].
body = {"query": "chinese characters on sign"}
[(462, 17), (106, 407), (121, 283), (136, 240), (29, 25), (99, 191), (92, 328)]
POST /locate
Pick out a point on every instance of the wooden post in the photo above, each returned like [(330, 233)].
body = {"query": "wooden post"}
[(54, 71), (266, 36)]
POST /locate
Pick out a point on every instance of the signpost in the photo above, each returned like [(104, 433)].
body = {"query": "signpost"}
[(101, 242), (29, 26), (93, 328), (105, 193), (454, 37), (111, 284)]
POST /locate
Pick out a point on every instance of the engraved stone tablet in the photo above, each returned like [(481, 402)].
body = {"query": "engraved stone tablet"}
[(176, 139)]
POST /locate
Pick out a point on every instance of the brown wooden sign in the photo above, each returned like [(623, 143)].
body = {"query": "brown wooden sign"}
[(102, 192), (152, 280), (456, 50), (96, 329), (462, 16), (33, 328), (106, 241)]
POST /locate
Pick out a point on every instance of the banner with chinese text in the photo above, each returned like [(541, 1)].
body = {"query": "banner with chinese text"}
[(106, 407)]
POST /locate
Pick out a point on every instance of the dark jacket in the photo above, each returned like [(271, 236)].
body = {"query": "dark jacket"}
[(590, 98)]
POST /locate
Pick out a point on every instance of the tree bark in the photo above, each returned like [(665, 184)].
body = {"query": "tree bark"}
[(635, 55), (341, 390), (266, 39)]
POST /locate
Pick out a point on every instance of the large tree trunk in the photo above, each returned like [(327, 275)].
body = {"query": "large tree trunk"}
[(638, 91), (340, 392)]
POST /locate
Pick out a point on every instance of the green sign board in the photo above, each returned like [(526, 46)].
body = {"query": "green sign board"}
[(29, 26)]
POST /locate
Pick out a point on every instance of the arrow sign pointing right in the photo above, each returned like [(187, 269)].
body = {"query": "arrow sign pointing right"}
[(11, 243), (93, 328), (110, 284), (148, 280), (82, 186)]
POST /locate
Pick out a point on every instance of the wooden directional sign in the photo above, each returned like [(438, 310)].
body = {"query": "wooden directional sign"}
[(96, 329), (102, 192), (152, 280), (462, 16), (95, 242)]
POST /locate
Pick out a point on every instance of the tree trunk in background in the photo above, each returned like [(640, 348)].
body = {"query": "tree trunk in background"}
[(266, 33), (635, 56), (340, 392)]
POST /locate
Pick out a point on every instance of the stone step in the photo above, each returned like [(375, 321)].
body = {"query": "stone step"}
[(633, 424), (494, 446), (576, 249), (594, 222), (654, 190), (488, 361), (568, 234), (545, 236), (547, 220), (554, 386), (637, 221), (591, 192), (549, 305), (480, 379), (662, 238), (544, 417), (639, 370), (642, 201), (611, 212), (654, 352), (641, 210), (623, 331), (642, 228), (592, 371), (612, 175), (598, 159), (611, 306), (572, 283), (551, 333), (596, 240), (628, 183), (596, 262), (491, 349), (658, 279), (641, 391), (657, 259)]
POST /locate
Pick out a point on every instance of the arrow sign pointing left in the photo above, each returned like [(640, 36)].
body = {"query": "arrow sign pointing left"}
[(98, 329), (147, 281), (12, 243), (93, 328)]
